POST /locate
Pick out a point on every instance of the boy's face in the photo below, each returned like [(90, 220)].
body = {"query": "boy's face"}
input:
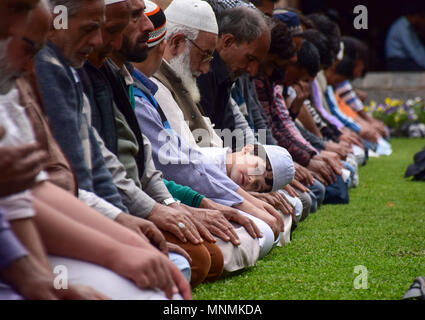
[(250, 172)]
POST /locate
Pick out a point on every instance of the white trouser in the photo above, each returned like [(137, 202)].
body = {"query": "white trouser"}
[(239, 257), (267, 242), (296, 203), (359, 153), (103, 280), (99, 278)]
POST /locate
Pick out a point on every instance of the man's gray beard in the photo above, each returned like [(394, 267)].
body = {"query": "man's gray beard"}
[(181, 66), (7, 74)]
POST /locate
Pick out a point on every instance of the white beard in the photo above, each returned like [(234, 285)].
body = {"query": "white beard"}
[(181, 66), (7, 74)]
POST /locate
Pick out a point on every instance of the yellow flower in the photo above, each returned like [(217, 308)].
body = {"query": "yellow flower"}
[(388, 101), (396, 103)]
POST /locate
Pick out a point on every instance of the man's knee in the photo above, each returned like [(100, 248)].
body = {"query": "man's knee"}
[(319, 191), (267, 241), (239, 257), (103, 280), (297, 203), (217, 261), (201, 259)]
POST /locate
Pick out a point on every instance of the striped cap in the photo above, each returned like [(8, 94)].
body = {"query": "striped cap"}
[(157, 17)]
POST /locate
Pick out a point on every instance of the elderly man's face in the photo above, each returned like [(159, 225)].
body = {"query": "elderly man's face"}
[(22, 50), (201, 52), (83, 35), (136, 34), (241, 58), (117, 19), (192, 59), (13, 16)]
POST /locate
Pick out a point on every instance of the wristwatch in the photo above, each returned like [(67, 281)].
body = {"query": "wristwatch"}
[(169, 201)]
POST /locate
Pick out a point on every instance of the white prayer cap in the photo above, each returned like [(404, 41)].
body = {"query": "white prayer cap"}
[(282, 166), (108, 2), (196, 14)]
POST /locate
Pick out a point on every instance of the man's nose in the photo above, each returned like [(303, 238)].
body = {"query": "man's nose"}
[(205, 67), (96, 40), (252, 68), (146, 25)]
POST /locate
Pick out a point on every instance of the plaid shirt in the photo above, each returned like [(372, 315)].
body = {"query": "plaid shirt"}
[(283, 128), (227, 4)]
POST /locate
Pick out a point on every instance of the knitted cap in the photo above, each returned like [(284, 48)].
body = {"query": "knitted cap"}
[(157, 17), (291, 19), (194, 14), (282, 166)]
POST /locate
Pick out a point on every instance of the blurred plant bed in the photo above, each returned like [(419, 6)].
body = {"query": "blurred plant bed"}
[(404, 118)]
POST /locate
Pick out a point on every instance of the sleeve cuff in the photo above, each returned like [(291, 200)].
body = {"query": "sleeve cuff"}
[(11, 249)]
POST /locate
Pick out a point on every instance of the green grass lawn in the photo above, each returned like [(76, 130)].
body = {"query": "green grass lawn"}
[(381, 229)]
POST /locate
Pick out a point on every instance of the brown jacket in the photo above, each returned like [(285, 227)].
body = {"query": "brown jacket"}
[(193, 113), (58, 168)]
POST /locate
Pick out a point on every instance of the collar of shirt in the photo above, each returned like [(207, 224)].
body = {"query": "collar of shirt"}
[(148, 83), (217, 157), (223, 159), (124, 72)]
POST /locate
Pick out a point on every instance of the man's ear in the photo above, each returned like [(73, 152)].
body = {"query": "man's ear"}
[(175, 43), (228, 39)]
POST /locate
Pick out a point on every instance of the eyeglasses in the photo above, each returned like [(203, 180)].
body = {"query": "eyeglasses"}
[(208, 56)]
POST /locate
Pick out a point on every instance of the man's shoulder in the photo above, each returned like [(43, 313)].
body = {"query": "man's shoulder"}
[(165, 72), (52, 68), (399, 28), (163, 89), (49, 56)]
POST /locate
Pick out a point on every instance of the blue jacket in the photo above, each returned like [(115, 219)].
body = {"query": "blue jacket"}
[(173, 156), (62, 94)]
